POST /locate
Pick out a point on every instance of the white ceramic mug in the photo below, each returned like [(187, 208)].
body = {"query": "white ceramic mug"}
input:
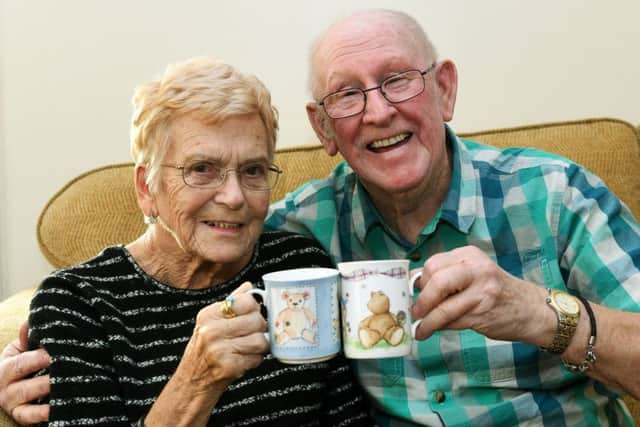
[(303, 314), (375, 299)]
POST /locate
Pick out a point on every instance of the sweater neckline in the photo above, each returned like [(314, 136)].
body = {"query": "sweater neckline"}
[(224, 287)]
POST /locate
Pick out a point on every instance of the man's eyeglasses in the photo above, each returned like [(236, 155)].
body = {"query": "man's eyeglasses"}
[(395, 89), (205, 174)]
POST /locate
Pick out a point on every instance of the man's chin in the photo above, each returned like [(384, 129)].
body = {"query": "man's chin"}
[(393, 185)]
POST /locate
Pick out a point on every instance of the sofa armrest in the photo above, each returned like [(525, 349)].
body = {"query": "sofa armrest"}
[(13, 312), (6, 421), (634, 408)]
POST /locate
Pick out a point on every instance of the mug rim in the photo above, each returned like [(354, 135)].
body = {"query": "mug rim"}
[(348, 264), (293, 274)]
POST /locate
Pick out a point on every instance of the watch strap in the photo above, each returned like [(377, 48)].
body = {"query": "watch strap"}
[(565, 330), (590, 353)]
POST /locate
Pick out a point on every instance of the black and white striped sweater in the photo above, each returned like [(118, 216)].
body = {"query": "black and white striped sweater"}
[(116, 335)]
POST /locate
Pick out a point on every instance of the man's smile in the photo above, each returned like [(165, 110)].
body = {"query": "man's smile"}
[(388, 143)]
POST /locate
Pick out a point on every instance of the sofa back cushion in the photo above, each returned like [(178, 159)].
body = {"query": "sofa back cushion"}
[(98, 208)]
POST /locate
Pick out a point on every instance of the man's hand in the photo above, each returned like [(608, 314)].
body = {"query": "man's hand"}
[(16, 392), (465, 289)]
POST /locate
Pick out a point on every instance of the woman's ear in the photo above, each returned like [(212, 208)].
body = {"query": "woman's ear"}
[(320, 124), (144, 195), (447, 81)]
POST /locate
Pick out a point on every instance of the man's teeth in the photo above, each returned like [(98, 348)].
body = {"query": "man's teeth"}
[(381, 143), (221, 224)]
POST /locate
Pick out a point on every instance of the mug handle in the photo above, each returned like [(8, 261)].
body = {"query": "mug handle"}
[(263, 294), (260, 292), (412, 282)]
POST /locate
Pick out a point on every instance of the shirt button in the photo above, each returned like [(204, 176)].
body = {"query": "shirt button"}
[(439, 396), (414, 256)]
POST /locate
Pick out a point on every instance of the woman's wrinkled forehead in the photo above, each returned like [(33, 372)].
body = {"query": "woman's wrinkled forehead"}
[(237, 136)]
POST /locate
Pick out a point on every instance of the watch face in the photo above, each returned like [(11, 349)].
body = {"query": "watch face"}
[(566, 303)]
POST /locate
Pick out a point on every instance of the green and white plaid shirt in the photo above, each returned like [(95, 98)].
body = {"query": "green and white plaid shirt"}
[(541, 218)]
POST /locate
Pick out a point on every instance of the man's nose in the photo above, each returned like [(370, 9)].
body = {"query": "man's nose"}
[(377, 109)]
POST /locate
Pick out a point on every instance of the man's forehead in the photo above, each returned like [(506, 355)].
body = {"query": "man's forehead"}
[(354, 32), (353, 35), (373, 42), (343, 56)]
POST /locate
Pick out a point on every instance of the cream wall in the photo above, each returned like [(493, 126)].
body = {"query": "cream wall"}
[(68, 68), (3, 169)]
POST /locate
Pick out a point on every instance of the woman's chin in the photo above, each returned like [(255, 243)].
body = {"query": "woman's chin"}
[(227, 254)]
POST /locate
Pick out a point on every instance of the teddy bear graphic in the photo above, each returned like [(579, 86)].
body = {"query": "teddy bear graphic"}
[(381, 324), (295, 321)]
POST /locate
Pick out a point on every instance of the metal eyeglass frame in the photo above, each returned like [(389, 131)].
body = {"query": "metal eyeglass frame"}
[(363, 92)]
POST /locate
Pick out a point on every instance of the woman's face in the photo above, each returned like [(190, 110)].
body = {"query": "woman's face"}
[(219, 225)]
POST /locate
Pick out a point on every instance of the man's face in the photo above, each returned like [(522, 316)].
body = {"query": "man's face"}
[(394, 148)]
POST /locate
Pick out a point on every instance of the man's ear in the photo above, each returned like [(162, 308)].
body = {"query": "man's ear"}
[(143, 192), (320, 124), (447, 81)]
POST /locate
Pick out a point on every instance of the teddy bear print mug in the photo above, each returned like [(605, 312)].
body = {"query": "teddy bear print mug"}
[(375, 298), (303, 314)]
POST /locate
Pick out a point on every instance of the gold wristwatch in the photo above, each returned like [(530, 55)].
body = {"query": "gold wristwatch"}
[(568, 312)]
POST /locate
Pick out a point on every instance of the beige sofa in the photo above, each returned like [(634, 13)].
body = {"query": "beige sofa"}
[(98, 208)]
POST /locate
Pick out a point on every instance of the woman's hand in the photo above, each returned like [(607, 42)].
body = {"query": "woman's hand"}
[(221, 350)]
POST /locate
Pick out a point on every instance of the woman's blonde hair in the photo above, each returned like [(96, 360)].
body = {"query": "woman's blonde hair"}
[(208, 88)]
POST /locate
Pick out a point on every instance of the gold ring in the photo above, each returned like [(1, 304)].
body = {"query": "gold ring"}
[(227, 308)]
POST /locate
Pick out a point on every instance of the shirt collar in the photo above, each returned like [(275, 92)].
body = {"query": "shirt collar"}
[(458, 208)]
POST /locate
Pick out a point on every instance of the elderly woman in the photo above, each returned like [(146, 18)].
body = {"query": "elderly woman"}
[(141, 333)]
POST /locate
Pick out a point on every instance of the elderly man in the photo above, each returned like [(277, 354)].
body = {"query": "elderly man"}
[(505, 239), (531, 267)]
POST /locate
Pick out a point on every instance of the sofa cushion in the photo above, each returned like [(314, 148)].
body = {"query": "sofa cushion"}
[(14, 312), (93, 210)]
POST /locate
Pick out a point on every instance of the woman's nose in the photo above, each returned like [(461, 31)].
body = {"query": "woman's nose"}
[(230, 191)]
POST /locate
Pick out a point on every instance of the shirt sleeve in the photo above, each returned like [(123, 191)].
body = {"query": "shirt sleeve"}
[(312, 210), (283, 215), (600, 243), (84, 387)]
